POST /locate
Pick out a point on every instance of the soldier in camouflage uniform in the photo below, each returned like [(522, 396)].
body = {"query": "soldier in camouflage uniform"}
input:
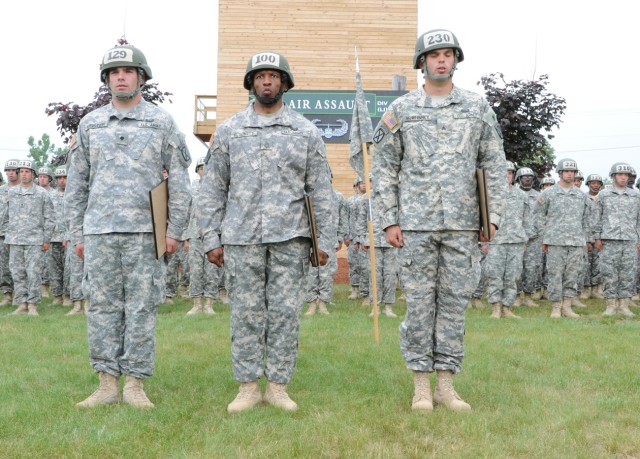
[(174, 262), (385, 255), (116, 160), (617, 238), (592, 285), (252, 214), (431, 141), (531, 280), (57, 252), (45, 177), (352, 258), (476, 299), (320, 278), (30, 222), (546, 182), (504, 260), (6, 281), (565, 233), (583, 266)]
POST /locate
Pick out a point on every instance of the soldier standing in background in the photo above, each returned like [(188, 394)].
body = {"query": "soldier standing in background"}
[(6, 281), (352, 258), (592, 285), (252, 213), (45, 177), (57, 252), (531, 280), (116, 160), (565, 232), (617, 238), (431, 141), (30, 222)]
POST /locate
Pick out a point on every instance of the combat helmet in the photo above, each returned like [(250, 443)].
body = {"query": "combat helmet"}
[(200, 162), (11, 165), (124, 56), (524, 171), (61, 171), (436, 39), (566, 164), (621, 168), (547, 181), (44, 170), (511, 166), (26, 164), (267, 60), (594, 178)]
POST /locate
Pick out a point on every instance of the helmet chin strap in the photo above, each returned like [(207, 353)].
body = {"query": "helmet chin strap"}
[(123, 96), (269, 101), (438, 78)]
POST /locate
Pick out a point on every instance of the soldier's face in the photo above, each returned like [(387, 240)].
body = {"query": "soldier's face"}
[(510, 176), (620, 180), (526, 182), (200, 171), (362, 187), (546, 185), (595, 186), (440, 61), (165, 173), (267, 83), (567, 176), (43, 180), (26, 175), (123, 79), (577, 182), (12, 175), (62, 183)]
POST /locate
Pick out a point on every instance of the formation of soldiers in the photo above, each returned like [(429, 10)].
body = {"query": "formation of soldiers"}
[(565, 245)]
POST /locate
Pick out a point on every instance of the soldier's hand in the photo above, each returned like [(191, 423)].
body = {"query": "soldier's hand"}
[(172, 245), (545, 248), (79, 248), (46, 246), (589, 247), (347, 242), (365, 248), (484, 248), (394, 236), (324, 258), (185, 247), (492, 234), (216, 256), (599, 245)]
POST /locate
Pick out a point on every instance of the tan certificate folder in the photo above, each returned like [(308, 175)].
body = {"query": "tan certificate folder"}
[(159, 200), (483, 198)]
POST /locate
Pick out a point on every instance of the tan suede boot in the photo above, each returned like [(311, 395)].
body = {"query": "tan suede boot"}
[(7, 299), (224, 296), (355, 292), (67, 301), (388, 311), (168, 300), (322, 308), (536, 295), (446, 395), (623, 307), (556, 310), (44, 291), (477, 303), (197, 307), (566, 309), (507, 313), (32, 309), (248, 396), (517, 303), (312, 309), (108, 392), (528, 301), (77, 308), (366, 301), (612, 307), (133, 393), (586, 293), (208, 307), (497, 311), (576, 303), (422, 399), (57, 300), (276, 395), (597, 292), (22, 309)]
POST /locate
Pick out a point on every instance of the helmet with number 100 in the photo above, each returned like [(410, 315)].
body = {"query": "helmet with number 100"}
[(436, 39), (124, 56), (267, 60)]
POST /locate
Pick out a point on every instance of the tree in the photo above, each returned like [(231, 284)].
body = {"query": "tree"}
[(39, 152), (70, 114), (527, 112)]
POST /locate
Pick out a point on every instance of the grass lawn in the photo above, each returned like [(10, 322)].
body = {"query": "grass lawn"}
[(538, 387)]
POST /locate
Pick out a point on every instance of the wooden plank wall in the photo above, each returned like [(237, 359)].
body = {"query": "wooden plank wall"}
[(318, 39)]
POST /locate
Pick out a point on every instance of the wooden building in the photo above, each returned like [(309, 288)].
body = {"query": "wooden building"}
[(319, 41)]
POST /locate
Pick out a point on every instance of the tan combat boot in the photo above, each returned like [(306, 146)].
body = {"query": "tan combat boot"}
[(197, 307), (32, 309), (517, 303), (497, 311), (77, 308), (44, 291), (224, 296), (133, 393), (537, 295), (446, 395), (67, 301), (545, 294), (576, 303), (388, 311), (477, 303), (586, 293), (623, 307), (422, 400), (312, 309), (22, 309), (322, 308), (509, 314), (566, 309), (276, 395), (635, 297), (57, 300), (556, 310), (528, 301), (366, 301), (108, 392), (208, 307), (355, 292), (612, 307), (168, 300), (7, 300), (248, 396), (596, 292)]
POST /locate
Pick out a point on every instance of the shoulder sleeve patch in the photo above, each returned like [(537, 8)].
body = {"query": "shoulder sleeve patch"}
[(179, 143), (389, 121)]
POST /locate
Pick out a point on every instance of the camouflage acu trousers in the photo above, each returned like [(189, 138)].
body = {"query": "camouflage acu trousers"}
[(564, 265), (482, 282), (354, 267), (439, 271), (386, 275), (56, 259), (74, 271), (6, 281), (363, 275), (124, 285), (266, 293), (592, 276), (504, 268), (25, 262), (204, 276), (532, 266), (618, 268), (173, 262), (320, 281)]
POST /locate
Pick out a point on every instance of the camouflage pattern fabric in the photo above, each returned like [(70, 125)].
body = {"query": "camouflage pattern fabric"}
[(6, 281), (618, 268), (482, 283), (352, 258), (56, 260), (531, 279), (504, 267), (562, 275), (265, 316), (25, 262), (35, 203), (74, 272), (386, 275), (564, 217)]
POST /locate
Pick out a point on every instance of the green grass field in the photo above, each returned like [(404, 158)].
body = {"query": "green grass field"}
[(538, 387)]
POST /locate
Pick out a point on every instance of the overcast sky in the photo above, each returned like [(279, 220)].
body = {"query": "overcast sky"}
[(588, 49)]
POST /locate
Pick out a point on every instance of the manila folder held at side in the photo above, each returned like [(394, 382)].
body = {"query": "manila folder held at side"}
[(159, 200)]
